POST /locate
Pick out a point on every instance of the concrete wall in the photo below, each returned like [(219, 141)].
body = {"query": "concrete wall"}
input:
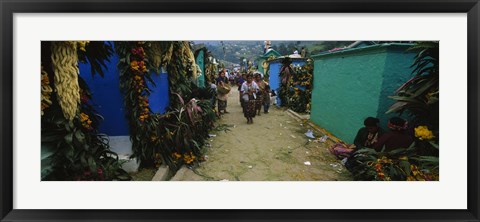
[(353, 84)]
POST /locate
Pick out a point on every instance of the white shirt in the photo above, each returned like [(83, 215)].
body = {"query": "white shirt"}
[(246, 87)]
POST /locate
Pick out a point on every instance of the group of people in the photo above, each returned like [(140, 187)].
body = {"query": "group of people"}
[(373, 136), (254, 93)]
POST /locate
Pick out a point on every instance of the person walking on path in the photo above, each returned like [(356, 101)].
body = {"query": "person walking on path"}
[(241, 79), (260, 95), (222, 92), (266, 99), (249, 92)]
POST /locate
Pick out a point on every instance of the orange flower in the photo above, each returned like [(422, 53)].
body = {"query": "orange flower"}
[(134, 65), (176, 155)]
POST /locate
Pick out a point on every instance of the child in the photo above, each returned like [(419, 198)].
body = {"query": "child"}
[(273, 98)]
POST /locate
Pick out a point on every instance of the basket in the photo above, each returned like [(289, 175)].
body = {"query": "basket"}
[(224, 89)]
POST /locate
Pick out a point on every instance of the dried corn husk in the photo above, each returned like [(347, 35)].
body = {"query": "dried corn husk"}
[(65, 67), (155, 55)]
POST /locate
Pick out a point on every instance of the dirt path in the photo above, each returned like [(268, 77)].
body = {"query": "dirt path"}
[(274, 148)]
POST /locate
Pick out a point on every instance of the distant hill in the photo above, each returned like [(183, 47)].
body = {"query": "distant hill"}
[(235, 51)]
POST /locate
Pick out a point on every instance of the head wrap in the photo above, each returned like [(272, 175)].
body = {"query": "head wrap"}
[(397, 126)]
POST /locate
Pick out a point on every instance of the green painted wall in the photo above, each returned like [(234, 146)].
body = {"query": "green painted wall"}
[(260, 65), (264, 57), (397, 71), (353, 84), (199, 60)]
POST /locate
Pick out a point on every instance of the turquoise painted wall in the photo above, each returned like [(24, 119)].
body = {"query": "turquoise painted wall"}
[(397, 71), (353, 84), (199, 60)]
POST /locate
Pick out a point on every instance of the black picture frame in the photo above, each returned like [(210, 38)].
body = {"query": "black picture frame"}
[(9, 7)]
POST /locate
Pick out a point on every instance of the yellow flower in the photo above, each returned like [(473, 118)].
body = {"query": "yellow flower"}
[(423, 133), (82, 44), (153, 138)]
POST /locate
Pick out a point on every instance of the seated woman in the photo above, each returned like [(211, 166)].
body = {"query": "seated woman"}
[(367, 136), (396, 138)]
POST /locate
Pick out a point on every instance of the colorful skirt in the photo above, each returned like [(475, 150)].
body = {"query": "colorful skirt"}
[(249, 108), (259, 101), (222, 104), (266, 99)]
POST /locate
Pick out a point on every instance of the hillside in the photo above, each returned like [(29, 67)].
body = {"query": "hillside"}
[(235, 51)]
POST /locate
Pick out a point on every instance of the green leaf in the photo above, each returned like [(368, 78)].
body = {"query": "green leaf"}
[(69, 138), (405, 166), (79, 136), (51, 136), (47, 150), (433, 144), (91, 164)]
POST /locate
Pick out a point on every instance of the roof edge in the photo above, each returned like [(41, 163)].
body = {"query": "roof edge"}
[(366, 48)]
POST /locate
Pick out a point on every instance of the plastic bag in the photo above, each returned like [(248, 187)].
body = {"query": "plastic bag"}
[(342, 150)]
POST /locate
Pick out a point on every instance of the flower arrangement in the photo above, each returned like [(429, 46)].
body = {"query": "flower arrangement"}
[(71, 146), (175, 137), (134, 73), (397, 165), (297, 85)]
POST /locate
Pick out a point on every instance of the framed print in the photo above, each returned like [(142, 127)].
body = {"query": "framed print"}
[(239, 110)]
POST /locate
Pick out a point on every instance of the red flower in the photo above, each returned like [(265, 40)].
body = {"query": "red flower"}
[(84, 98)]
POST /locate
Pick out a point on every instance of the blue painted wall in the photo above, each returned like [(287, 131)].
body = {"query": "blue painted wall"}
[(274, 78), (108, 100), (353, 84), (159, 99), (107, 97)]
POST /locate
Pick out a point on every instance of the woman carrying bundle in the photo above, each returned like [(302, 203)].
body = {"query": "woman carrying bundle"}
[(222, 92)]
